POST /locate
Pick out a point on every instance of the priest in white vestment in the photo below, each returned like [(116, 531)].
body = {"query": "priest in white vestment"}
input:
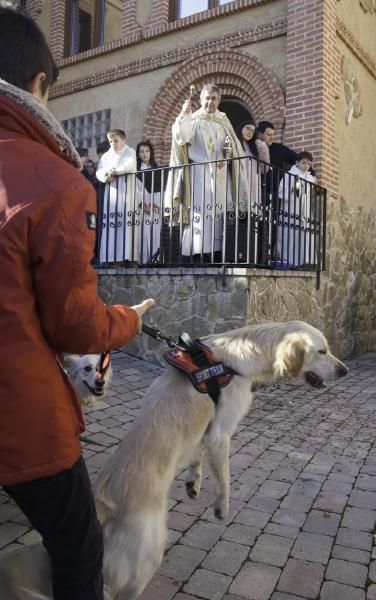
[(206, 191), (118, 210)]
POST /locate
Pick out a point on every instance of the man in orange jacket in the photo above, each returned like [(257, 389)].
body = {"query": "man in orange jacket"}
[(48, 304)]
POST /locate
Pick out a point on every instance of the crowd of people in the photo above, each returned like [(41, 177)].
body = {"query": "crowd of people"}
[(219, 182)]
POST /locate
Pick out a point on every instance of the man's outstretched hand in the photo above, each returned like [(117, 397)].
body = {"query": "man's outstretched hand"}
[(141, 309)]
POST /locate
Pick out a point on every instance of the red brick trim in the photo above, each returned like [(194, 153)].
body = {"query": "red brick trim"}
[(237, 73), (312, 84), (362, 55), (262, 32)]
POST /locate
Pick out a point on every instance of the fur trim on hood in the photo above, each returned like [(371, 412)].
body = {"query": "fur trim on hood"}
[(38, 111)]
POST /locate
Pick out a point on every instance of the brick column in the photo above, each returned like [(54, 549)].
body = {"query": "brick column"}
[(160, 14), (57, 38), (312, 84), (129, 22)]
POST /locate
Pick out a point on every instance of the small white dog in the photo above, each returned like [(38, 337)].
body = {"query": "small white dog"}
[(176, 427), (90, 374)]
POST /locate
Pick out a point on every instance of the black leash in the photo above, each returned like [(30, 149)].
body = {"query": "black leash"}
[(156, 334)]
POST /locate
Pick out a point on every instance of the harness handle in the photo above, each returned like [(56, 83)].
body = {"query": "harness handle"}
[(156, 334)]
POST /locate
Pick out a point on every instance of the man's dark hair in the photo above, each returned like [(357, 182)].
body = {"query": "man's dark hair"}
[(24, 51), (103, 147), (264, 125), (304, 154)]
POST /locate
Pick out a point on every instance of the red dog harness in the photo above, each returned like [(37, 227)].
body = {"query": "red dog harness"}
[(196, 360)]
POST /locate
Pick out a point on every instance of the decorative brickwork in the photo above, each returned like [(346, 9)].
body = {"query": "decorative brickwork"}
[(34, 7), (129, 22), (172, 57), (312, 84), (57, 40), (237, 73), (361, 54)]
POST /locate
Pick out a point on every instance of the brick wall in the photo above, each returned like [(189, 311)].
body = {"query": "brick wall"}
[(312, 84), (34, 7), (57, 28)]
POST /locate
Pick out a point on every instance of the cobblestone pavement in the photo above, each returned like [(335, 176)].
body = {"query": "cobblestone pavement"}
[(303, 495)]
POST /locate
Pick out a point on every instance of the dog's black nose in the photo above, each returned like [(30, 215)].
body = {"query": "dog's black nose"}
[(342, 370), (99, 383)]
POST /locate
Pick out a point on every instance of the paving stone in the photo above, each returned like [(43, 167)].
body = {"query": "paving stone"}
[(330, 502), (366, 482), (363, 499), (322, 522), (226, 557), (359, 518), (281, 596), (312, 547), (203, 535), (241, 534), (263, 504), (208, 584), (179, 521), (255, 581), (180, 562), (372, 571), (342, 571), (292, 518), (355, 539), (371, 592), (336, 591), (351, 554), (282, 530), (274, 489), (271, 549), (300, 503), (159, 588), (305, 487), (253, 518), (302, 578)]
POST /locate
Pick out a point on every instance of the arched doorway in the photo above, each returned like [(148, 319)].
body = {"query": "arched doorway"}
[(248, 88), (237, 110)]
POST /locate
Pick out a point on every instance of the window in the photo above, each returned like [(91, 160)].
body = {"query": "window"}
[(91, 23), (88, 130), (184, 8), (84, 25)]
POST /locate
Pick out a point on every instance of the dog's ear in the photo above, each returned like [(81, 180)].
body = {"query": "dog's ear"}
[(70, 360), (290, 354)]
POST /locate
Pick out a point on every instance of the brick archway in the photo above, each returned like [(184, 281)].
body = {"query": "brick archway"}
[(237, 73)]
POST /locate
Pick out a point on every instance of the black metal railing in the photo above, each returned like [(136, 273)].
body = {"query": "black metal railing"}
[(229, 212)]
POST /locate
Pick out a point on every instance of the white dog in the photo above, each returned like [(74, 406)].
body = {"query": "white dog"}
[(90, 374), (177, 425)]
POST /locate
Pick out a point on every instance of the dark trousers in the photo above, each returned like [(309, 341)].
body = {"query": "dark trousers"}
[(61, 508)]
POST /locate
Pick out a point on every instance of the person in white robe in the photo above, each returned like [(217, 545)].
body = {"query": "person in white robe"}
[(118, 210), (148, 188), (208, 190), (295, 231), (257, 165)]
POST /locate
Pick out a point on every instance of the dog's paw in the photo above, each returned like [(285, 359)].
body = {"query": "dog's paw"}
[(191, 489), (221, 510)]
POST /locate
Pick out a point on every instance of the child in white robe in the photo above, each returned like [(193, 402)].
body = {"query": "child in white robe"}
[(118, 211), (295, 234)]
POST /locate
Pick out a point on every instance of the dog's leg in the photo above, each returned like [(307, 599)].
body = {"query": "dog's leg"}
[(194, 475), (218, 455)]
